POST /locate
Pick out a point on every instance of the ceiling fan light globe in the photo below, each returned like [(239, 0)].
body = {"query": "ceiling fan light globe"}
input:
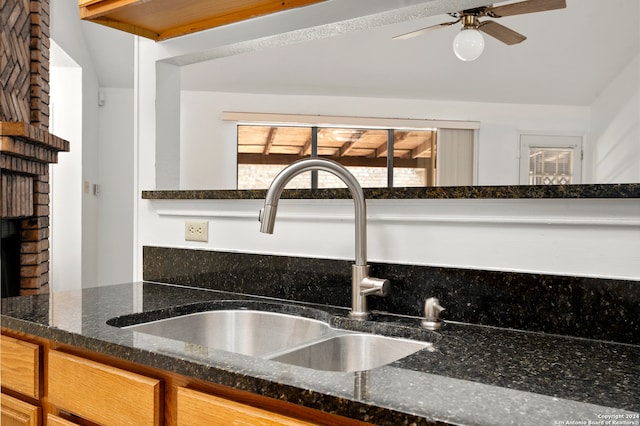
[(468, 45)]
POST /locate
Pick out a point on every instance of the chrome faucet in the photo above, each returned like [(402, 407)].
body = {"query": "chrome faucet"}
[(362, 285)]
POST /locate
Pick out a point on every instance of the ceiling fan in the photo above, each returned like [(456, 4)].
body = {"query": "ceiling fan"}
[(469, 43)]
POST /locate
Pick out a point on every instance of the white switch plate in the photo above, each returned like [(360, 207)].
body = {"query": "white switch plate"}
[(196, 231)]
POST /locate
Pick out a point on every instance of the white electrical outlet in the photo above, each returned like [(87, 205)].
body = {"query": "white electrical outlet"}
[(196, 231)]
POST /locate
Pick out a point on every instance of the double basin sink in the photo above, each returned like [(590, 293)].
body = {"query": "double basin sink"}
[(283, 337)]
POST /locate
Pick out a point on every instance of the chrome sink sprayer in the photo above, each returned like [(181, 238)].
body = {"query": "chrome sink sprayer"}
[(362, 285)]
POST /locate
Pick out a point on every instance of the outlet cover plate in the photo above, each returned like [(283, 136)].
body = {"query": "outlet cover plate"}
[(195, 230)]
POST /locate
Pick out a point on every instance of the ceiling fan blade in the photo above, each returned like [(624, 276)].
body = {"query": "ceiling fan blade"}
[(523, 7), (502, 33), (424, 30)]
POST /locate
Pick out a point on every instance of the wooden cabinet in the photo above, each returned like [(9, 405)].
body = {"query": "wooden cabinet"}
[(101, 393), (20, 373), (85, 386), (20, 366), (163, 19), (14, 412), (197, 408)]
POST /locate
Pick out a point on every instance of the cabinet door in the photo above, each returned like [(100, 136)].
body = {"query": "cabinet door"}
[(14, 412), (101, 393), (197, 408), (20, 366)]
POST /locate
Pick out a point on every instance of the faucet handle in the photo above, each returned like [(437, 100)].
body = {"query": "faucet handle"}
[(375, 286), (432, 311)]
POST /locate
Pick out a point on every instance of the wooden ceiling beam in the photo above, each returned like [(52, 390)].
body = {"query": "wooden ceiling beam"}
[(285, 159), (351, 143), (424, 150), (306, 148), (397, 139), (382, 150), (163, 19), (269, 141)]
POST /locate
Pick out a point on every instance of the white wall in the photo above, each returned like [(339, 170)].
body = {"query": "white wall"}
[(208, 145), (615, 129), (65, 231), (100, 227), (116, 198), (67, 33), (597, 237)]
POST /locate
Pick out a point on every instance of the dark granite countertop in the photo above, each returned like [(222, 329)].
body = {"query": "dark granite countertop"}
[(472, 375), (631, 190)]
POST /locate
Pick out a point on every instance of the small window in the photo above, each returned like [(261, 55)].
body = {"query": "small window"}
[(550, 160), (550, 166)]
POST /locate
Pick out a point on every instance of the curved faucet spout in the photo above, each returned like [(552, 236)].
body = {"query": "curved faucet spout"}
[(268, 214), (362, 284)]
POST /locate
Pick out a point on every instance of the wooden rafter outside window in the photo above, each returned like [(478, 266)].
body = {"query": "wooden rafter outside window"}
[(380, 152), (264, 150), (351, 147)]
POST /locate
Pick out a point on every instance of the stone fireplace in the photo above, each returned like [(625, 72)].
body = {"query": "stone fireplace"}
[(26, 146)]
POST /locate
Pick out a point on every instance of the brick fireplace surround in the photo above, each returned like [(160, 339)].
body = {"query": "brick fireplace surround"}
[(26, 146)]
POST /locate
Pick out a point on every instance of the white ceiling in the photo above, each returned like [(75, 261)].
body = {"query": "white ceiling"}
[(569, 57)]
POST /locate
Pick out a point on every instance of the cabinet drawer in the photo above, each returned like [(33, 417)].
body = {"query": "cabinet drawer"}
[(58, 421), (197, 408), (14, 412), (20, 366), (101, 393)]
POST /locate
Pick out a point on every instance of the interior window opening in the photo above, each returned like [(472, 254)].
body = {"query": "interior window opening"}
[(378, 158)]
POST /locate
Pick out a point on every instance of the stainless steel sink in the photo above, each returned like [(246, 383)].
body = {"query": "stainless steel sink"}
[(352, 352), (284, 338), (248, 332)]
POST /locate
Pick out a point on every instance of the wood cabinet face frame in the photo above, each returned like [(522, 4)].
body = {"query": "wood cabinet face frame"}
[(169, 385)]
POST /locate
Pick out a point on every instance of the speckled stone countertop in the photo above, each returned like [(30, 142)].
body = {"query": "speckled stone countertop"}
[(631, 190), (471, 375)]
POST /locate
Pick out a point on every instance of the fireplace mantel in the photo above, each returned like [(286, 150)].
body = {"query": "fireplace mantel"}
[(25, 153)]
